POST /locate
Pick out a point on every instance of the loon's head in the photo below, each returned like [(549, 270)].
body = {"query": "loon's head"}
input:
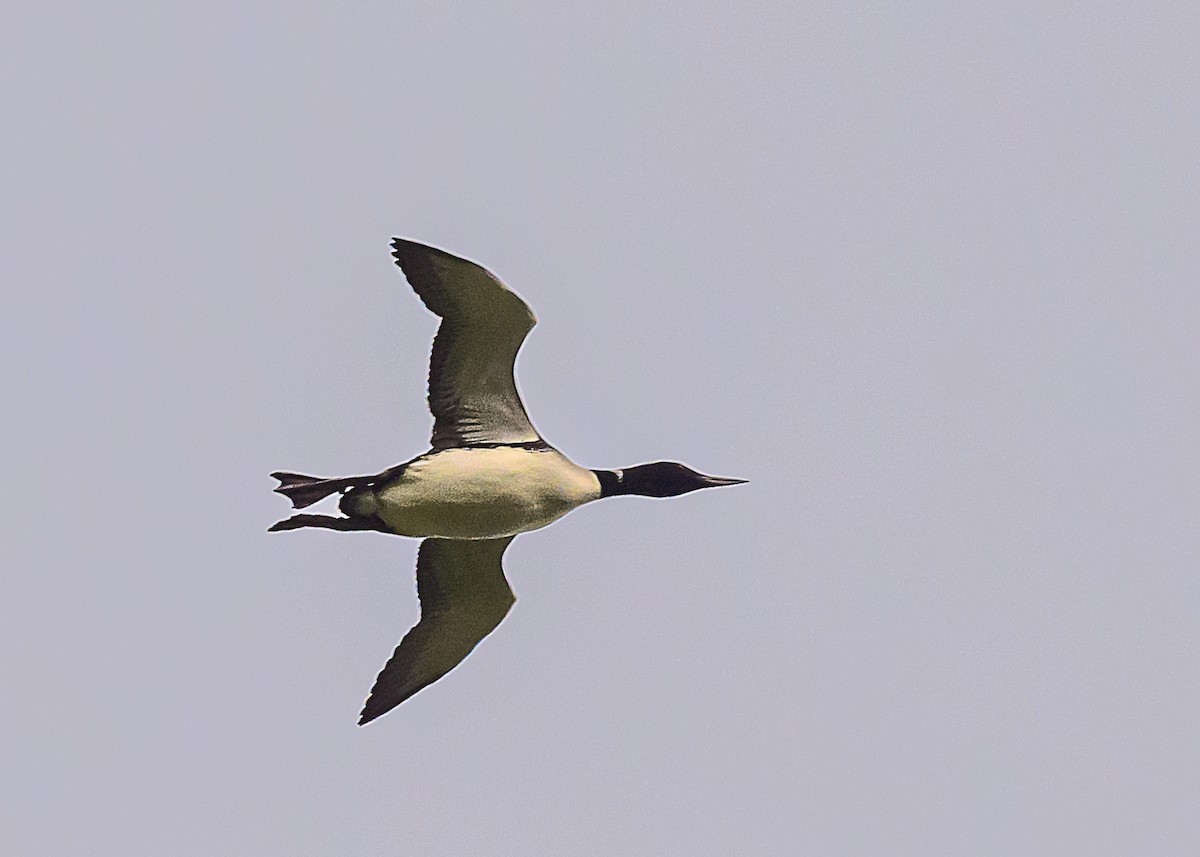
[(660, 479)]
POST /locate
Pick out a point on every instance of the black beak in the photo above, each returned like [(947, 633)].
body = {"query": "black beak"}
[(717, 481)]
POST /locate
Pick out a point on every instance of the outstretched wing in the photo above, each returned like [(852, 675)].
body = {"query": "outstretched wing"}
[(472, 393), (464, 595)]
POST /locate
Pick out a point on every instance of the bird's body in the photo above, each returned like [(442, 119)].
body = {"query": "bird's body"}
[(488, 476), (477, 493)]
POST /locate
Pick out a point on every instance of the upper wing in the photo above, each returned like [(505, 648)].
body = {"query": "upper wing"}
[(472, 393), (464, 595)]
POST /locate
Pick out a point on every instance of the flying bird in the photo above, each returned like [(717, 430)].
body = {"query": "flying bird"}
[(488, 476)]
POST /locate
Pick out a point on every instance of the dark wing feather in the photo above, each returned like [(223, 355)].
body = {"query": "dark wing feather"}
[(464, 596), (472, 393)]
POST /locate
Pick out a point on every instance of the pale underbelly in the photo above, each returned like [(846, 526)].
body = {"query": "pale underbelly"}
[(465, 520), (482, 494)]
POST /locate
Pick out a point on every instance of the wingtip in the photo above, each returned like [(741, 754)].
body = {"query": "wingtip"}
[(402, 245), (407, 252), (411, 248)]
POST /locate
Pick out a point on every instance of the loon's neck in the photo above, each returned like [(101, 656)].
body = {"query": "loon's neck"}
[(610, 483)]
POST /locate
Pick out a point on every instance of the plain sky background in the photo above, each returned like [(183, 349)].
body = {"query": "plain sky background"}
[(926, 274)]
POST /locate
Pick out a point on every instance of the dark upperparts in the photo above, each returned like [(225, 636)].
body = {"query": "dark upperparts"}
[(660, 479)]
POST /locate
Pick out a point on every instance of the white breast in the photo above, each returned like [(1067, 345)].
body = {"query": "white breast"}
[(484, 493)]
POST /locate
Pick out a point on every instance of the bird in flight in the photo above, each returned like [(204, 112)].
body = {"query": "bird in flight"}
[(488, 476)]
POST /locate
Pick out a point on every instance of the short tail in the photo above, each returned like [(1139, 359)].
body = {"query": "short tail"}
[(306, 490)]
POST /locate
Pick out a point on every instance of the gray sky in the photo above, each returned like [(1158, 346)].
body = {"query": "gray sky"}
[(925, 274)]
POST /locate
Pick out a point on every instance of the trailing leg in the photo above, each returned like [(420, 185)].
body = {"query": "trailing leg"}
[(328, 522), (306, 490)]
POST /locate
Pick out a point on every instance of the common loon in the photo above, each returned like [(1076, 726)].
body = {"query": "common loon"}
[(488, 476)]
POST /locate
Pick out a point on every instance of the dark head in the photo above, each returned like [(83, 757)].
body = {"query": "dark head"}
[(660, 479)]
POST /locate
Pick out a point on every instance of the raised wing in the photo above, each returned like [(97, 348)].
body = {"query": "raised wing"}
[(464, 595), (472, 393)]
